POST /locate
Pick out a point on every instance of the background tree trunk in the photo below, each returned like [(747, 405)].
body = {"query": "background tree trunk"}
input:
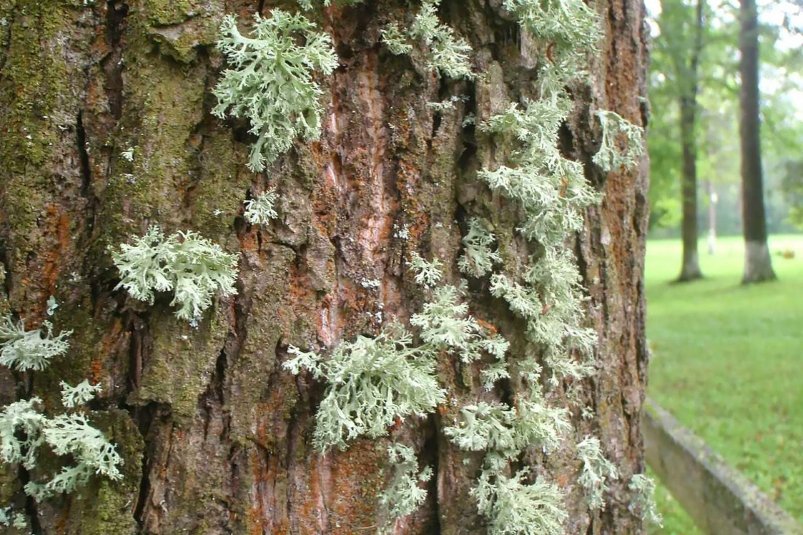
[(757, 261), (215, 435), (690, 269)]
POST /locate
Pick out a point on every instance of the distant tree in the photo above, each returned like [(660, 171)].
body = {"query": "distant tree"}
[(679, 50), (758, 264), (716, 134)]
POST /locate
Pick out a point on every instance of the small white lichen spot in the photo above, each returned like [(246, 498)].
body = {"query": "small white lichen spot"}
[(371, 284), (52, 305), (261, 210)]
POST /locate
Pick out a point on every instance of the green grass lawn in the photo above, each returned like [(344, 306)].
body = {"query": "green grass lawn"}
[(727, 361)]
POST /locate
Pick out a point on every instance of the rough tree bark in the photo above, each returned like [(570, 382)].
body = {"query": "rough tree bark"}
[(690, 269), (213, 432), (757, 261)]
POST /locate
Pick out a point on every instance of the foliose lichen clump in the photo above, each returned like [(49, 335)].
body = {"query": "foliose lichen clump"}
[(404, 493), (190, 266), (271, 81), (261, 209), (25, 430)]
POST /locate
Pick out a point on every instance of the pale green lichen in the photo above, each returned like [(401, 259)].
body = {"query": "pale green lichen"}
[(448, 104), (622, 142), (642, 501), (569, 24), (370, 383), (445, 52), (507, 431), (24, 428), (553, 194), (72, 396), (72, 434), (551, 189), (309, 4), (478, 259), (190, 266), (514, 507), (426, 273), (547, 294), (404, 493), (260, 210), (597, 471), (29, 350), (20, 432), (13, 519), (395, 38), (271, 81), (444, 323)]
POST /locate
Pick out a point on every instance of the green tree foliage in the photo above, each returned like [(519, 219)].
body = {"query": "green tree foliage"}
[(793, 190), (717, 134)]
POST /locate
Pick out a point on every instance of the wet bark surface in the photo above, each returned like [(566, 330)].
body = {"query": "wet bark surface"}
[(214, 434)]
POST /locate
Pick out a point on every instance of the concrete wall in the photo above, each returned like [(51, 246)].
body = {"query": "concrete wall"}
[(719, 499)]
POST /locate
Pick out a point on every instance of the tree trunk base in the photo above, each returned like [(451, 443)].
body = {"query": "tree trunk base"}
[(757, 263), (691, 268)]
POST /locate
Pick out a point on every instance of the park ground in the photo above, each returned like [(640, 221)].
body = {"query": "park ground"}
[(727, 362)]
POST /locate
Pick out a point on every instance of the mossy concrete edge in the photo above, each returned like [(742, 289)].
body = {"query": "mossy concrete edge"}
[(717, 497)]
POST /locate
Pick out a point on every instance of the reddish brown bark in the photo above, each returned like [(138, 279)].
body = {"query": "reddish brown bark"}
[(214, 433)]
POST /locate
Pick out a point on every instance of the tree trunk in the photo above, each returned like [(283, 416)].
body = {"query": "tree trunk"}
[(757, 261), (213, 431), (690, 269)]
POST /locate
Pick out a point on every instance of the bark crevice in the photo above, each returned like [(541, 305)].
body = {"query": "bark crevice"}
[(116, 13)]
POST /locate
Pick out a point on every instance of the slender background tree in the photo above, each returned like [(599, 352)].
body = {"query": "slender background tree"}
[(757, 261), (678, 56)]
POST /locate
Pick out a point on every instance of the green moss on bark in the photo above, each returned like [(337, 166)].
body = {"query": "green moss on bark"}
[(107, 506), (181, 363)]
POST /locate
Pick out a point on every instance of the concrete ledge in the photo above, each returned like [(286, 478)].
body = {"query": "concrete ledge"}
[(719, 499)]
